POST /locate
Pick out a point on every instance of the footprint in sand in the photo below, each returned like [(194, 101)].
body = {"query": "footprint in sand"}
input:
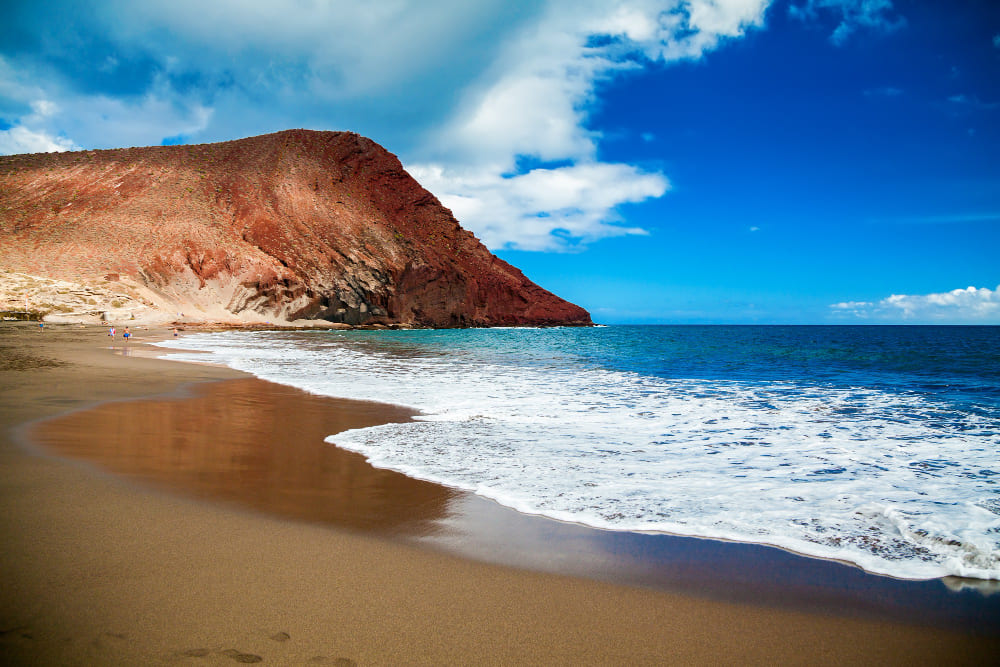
[(21, 630), (281, 637), (242, 657)]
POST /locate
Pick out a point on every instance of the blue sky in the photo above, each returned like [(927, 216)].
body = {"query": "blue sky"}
[(796, 161)]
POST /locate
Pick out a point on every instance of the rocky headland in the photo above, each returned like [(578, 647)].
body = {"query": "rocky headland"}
[(298, 225)]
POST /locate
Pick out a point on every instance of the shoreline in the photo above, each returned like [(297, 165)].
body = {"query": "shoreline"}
[(302, 478), (800, 548), (105, 571)]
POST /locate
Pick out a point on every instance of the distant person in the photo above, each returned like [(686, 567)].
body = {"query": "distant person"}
[(126, 334), (111, 332), (175, 332)]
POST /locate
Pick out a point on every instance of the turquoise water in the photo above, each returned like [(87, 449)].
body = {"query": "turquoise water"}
[(874, 445)]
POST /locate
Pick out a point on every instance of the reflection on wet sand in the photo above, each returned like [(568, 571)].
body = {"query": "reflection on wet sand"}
[(261, 445), (256, 444)]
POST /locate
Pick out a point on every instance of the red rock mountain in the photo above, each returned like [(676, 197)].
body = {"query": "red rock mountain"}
[(293, 225)]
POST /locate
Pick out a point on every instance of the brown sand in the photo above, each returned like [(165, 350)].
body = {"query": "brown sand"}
[(198, 443), (97, 570)]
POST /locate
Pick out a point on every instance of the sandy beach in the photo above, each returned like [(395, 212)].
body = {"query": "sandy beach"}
[(150, 557)]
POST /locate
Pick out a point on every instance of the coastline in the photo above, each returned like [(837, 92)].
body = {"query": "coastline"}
[(103, 570)]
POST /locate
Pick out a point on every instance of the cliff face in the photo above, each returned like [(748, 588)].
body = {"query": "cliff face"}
[(293, 225)]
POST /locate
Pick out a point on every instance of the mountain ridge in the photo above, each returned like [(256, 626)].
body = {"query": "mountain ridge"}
[(299, 224)]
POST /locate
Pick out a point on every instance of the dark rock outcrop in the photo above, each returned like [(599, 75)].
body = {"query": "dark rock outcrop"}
[(293, 225)]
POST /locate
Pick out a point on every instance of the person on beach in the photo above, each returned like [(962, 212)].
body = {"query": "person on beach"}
[(111, 332), (126, 335), (175, 333)]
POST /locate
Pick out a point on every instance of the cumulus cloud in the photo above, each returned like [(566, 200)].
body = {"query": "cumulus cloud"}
[(383, 69), (19, 139), (27, 134), (46, 115), (533, 106), (137, 121), (852, 16), (140, 121), (969, 305), (487, 102), (543, 209)]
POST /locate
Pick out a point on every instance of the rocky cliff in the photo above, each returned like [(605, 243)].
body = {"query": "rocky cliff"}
[(293, 225)]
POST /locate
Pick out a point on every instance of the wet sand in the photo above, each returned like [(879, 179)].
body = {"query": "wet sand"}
[(233, 442), (101, 568)]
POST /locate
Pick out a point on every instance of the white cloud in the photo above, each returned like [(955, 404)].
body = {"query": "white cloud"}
[(44, 108), (19, 139), (341, 50), (704, 24), (140, 121), (487, 102), (28, 133), (100, 121), (533, 105), (543, 209), (969, 305), (388, 69)]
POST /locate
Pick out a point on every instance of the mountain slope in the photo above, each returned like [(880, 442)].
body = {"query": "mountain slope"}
[(292, 225)]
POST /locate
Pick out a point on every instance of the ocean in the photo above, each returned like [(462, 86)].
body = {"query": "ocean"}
[(878, 446)]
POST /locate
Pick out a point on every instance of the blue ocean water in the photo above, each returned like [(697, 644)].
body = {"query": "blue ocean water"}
[(878, 446)]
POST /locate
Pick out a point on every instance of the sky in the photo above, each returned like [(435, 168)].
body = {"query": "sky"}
[(655, 161)]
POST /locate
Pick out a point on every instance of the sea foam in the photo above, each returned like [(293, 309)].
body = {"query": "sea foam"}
[(897, 483)]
